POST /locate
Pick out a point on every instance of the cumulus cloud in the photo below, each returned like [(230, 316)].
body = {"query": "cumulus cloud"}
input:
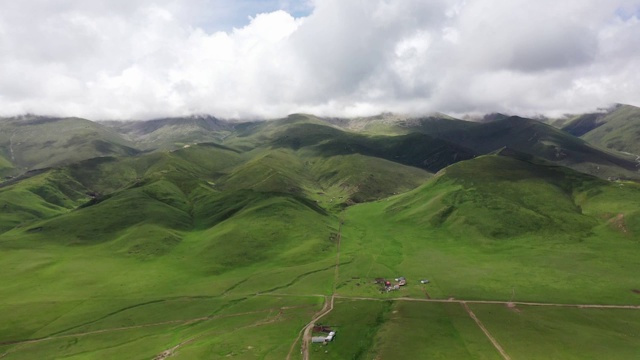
[(244, 59)]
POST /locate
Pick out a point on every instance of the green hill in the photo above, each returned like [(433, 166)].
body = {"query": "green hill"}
[(503, 197), (417, 150), (6, 167), (228, 248), (395, 124), (430, 142), (618, 129), (500, 226), (171, 133), (34, 142), (544, 141), (39, 197)]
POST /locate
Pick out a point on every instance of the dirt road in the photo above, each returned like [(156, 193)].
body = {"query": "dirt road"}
[(495, 302), (328, 304), (486, 332)]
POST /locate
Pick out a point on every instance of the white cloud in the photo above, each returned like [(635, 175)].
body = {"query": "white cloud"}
[(141, 59)]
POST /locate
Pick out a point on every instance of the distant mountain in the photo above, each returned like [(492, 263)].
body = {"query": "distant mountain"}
[(391, 124), (431, 142), (462, 139), (493, 117), (170, 133), (217, 231), (617, 129), (542, 140), (35, 142), (322, 138)]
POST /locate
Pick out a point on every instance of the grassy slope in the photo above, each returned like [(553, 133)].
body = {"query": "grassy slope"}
[(305, 132), (5, 166), (376, 329), (42, 196), (618, 130), (173, 133), (39, 142), (189, 224), (302, 155), (213, 227), (418, 150), (499, 228), (185, 239), (541, 140), (393, 124), (492, 228)]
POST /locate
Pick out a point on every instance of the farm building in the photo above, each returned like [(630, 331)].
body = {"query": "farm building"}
[(322, 339)]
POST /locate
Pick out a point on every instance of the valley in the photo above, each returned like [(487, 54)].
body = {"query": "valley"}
[(217, 240)]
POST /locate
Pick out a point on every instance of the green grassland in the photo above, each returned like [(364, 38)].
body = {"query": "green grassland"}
[(206, 330), (494, 228), (165, 237), (403, 330), (499, 228), (529, 332), (229, 250)]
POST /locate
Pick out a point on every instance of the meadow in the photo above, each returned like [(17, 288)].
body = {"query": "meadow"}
[(229, 251)]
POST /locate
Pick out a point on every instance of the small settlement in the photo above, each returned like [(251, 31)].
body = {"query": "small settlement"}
[(387, 285)]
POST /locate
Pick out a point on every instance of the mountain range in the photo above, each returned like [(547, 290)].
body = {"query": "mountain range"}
[(155, 230)]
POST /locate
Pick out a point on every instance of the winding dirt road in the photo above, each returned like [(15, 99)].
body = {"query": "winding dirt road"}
[(327, 308)]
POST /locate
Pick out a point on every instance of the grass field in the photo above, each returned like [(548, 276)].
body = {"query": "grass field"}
[(213, 252), (379, 329), (529, 332), (583, 258)]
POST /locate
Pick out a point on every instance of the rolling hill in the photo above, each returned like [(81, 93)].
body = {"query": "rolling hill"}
[(36, 142), (396, 124), (617, 129), (483, 227), (544, 141), (221, 240), (507, 195), (170, 133)]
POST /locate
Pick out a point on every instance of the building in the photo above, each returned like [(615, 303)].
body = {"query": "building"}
[(318, 339), (322, 339)]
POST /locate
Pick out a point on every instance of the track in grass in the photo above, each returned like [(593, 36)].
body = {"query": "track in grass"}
[(486, 332)]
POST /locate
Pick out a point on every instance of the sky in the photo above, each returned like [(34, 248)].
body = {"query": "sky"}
[(251, 59)]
